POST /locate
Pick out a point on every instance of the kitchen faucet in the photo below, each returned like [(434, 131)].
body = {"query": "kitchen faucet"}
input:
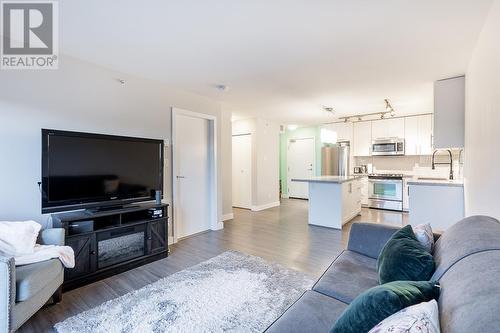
[(450, 163)]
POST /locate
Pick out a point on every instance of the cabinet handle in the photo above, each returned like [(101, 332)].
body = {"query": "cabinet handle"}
[(92, 252)]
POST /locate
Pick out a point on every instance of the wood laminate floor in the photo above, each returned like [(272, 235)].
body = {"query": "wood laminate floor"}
[(279, 234)]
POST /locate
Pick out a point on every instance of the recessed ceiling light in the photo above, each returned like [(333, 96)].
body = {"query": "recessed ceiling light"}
[(292, 127), (221, 87), (328, 109)]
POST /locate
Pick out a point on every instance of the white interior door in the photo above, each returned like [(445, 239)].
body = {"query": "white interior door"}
[(192, 202), (242, 171), (300, 165)]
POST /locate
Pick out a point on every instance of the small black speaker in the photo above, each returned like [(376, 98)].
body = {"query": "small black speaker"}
[(158, 197)]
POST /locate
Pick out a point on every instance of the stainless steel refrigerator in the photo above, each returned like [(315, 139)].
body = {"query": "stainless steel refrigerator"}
[(335, 159)]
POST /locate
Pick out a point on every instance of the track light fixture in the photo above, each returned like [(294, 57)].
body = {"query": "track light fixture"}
[(388, 110)]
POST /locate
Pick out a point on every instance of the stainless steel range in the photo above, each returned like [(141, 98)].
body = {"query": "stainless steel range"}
[(386, 191)]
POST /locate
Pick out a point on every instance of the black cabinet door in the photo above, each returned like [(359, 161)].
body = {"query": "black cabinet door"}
[(85, 259), (157, 236)]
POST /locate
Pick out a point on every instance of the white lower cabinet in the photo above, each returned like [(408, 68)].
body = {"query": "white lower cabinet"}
[(351, 199), (439, 205)]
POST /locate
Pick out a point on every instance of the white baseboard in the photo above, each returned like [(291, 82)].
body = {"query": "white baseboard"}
[(226, 217), (171, 240), (265, 206), (284, 196), (219, 226)]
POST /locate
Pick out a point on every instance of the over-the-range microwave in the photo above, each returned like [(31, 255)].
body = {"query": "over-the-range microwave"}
[(388, 146)]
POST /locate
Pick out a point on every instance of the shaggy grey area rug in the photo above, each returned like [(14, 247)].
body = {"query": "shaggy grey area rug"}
[(232, 292)]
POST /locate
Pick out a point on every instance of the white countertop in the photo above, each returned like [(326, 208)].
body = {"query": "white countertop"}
[(327, 179), (436, 182)]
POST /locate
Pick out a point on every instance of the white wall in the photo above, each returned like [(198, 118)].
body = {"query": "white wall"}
[(83, 97), (482, 121), (226, 167), (268, 163), (265, 160)]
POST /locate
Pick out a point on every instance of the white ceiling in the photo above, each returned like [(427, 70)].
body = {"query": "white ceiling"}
[(282, 59)]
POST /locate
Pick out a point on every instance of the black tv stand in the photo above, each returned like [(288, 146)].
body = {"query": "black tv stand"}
[(92, 211), (107, 242)]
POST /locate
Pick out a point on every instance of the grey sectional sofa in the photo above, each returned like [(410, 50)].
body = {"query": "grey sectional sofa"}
[(467, 259)]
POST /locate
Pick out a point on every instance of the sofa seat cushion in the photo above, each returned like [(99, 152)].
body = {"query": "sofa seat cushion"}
[(313, 312), (348, 276), (470, 290), (30, 279), (471, 235)]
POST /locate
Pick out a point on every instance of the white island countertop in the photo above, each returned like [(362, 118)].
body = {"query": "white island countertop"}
[(436, 182), (328, 179)]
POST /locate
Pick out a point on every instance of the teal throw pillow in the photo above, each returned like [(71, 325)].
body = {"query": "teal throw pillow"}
[(380, 302), (404, 258)]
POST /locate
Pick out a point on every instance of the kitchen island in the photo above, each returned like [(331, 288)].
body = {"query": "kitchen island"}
[(333, 200)]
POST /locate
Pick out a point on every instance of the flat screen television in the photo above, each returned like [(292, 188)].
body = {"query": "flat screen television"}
[(84, 170)]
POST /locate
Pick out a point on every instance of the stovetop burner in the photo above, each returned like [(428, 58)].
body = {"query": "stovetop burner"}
[(385, 176)]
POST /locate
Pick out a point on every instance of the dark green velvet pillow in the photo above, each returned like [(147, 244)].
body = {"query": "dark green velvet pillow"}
[(378, 303), (403, 258)]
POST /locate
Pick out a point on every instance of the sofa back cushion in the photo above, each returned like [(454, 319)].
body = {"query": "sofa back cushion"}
[(470, 289), (471, 235)]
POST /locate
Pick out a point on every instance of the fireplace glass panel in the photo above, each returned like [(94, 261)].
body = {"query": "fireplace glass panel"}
[(118, 249)]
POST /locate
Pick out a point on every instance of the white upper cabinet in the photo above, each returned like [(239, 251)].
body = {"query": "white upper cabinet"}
[(418, 135), (449, 113), (388, 128), (343, 130), (425, 135), (411, 136), (362, 138)]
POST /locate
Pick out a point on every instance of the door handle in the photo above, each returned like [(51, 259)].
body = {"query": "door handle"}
[(178, 177), (309, 169)]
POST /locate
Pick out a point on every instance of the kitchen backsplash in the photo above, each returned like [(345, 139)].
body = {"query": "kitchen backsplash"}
[(417, 165)]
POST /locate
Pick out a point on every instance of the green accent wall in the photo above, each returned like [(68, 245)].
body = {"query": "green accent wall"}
[(304, 132)]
